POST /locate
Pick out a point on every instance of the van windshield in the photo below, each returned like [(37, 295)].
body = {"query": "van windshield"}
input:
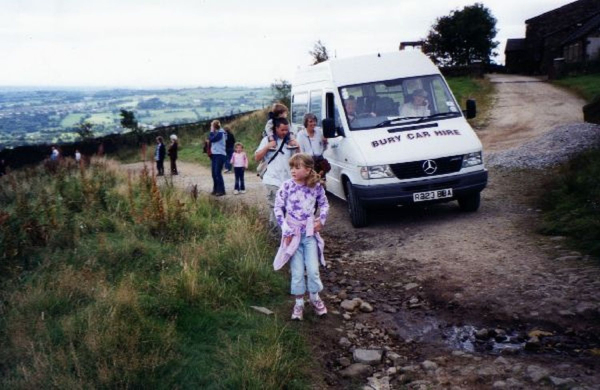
[(397, 101)]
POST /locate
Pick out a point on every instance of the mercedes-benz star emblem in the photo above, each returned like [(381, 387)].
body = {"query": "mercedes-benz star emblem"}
[(429, 167)]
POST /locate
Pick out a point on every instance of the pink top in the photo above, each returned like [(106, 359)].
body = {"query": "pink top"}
[(239, 160)]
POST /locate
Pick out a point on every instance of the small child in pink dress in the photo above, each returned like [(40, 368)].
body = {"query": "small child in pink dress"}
[(239, 161)]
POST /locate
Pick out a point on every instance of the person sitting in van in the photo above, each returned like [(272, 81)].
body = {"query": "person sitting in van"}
[(350, 106), (279, 111), (418, 106)]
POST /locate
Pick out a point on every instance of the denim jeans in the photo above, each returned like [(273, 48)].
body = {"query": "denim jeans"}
[(239, 178), (228, 165), (217, 161), (306, 258)]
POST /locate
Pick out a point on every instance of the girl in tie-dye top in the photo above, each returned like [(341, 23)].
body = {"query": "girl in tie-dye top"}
[(301, 243)]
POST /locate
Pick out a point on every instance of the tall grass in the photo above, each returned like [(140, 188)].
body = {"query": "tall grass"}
[(112, 281), (572, 207)]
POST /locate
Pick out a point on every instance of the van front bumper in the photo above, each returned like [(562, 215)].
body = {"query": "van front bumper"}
[(402, 193)]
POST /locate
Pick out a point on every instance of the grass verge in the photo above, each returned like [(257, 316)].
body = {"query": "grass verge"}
[(572, 207), (586, 86), (473, 88), (109, 281)]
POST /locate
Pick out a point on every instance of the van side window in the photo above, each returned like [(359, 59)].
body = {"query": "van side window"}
[(316, 104), (299, 107)]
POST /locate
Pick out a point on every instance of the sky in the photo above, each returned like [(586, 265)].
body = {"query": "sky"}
[(190, 43)]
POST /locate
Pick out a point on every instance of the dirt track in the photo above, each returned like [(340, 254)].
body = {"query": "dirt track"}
[(435, 277)]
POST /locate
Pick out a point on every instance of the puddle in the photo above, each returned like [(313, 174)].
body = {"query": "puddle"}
[(425, 328)]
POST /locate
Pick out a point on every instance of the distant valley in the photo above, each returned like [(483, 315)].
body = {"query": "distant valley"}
[(33, 116)]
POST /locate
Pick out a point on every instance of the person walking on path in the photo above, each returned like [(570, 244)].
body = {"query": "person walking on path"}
[(301, 243), (217, 139), (159, 156), (229, 147), (55, 154), (278, 170), (172, 152), (239, 160)]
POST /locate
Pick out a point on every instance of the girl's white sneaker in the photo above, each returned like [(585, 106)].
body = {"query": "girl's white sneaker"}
[(298, 312)]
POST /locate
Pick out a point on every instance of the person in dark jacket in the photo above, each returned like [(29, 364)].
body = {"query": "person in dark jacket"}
[(173, 154), (229, 147), (159, 156)]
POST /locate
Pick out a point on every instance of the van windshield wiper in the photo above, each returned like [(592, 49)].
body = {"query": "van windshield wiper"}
[(397, 119), (438, 115)]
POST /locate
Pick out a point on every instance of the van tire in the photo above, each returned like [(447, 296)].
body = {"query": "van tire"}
[(470, 203), (358, 214)]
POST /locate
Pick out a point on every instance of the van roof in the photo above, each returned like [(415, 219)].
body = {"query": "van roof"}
[(368, 68)]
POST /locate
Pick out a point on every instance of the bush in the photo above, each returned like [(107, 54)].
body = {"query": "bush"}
[(573, 206)]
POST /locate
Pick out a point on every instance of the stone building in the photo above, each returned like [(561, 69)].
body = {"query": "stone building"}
[(571, 32)]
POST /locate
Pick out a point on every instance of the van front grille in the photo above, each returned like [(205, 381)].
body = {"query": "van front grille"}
[(414, 169)]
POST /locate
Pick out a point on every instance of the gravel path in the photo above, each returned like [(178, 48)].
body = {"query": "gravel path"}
[(549, 149)]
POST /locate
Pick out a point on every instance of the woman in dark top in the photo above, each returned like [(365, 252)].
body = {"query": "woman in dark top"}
[(173, 154)]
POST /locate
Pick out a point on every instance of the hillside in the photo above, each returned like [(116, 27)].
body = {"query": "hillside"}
[(33, 116), (110, 281)]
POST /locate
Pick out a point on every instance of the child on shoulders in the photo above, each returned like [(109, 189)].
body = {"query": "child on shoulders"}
[(279, 111)]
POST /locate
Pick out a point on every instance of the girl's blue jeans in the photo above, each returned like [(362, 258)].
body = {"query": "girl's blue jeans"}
[(306, 259), (239, 178)]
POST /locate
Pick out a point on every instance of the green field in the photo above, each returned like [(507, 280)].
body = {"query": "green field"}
[(71, 120)]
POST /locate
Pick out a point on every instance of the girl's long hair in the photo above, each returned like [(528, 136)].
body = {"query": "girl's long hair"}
[(303, 159)]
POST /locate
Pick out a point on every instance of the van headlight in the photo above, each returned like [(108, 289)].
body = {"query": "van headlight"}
[(376, 172), (472, 159)]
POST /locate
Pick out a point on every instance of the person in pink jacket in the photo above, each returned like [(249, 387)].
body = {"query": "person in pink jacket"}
[(301, 243), (239, 161)]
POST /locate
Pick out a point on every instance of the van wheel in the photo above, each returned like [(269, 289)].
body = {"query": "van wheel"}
[(358, 214), (470, 203)]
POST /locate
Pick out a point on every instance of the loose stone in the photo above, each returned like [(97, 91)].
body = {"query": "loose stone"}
[(368, 356)]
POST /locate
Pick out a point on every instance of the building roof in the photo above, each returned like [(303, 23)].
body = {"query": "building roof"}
[(514, 44), (588, 27), (583, 4)]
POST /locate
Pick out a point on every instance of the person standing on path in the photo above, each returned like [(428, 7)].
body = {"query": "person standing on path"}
[(239, 160), (229, 147), (278, 169), (217, 138), (301, 243), (173, 154), (159, 156)]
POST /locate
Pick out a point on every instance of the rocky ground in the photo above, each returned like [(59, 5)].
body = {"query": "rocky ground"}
[(431, 297)]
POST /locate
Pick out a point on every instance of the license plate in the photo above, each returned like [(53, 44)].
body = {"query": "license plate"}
[(431, 195)]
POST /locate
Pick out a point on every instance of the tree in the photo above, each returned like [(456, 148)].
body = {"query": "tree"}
[(128, 121), (462, 37), (84, 130), (282, 90), (319, 53)]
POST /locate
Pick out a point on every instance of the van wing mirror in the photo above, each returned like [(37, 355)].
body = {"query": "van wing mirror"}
[(471, 111), (329, 128)]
